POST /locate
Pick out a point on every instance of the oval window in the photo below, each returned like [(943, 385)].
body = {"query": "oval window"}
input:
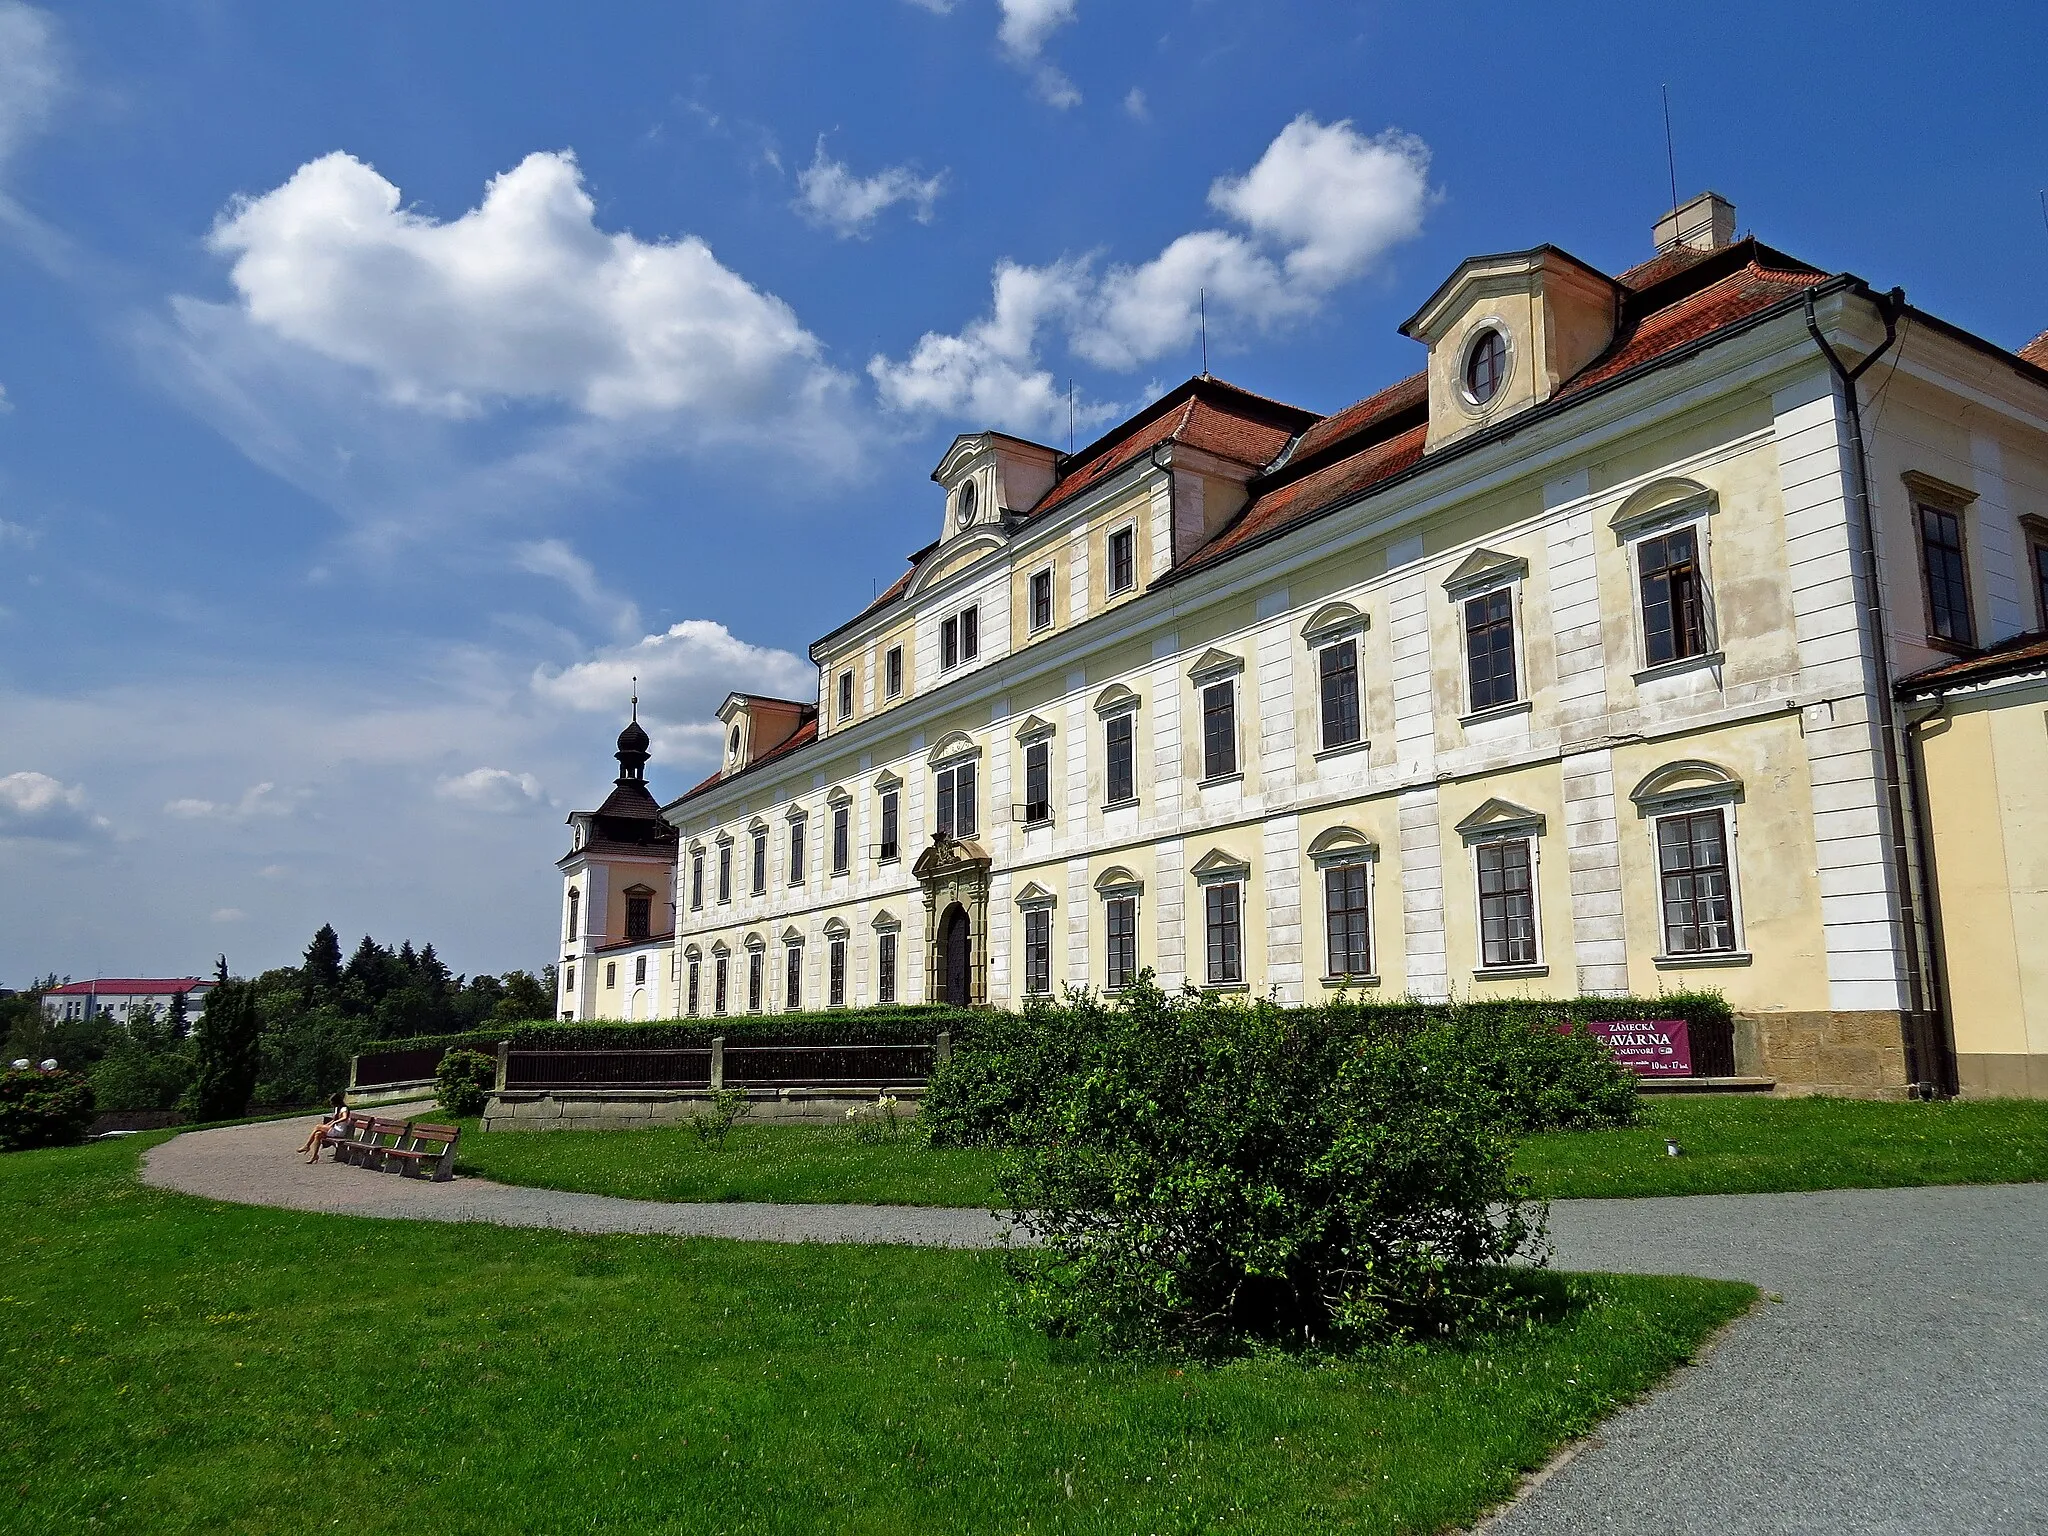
[(965, 512), (1486, 364)]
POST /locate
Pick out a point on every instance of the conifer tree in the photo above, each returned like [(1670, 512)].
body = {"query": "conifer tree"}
[(322, 970), (229, 1048)]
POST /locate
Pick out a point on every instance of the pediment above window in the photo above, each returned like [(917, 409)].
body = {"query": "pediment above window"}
[(692, 952), (639, 890), (1118, 881), (757, 825), (1690, 781), (721, 948), (1220, 864), (1501, 818), (886, 780), (792, 935), (1672, 499), (956, 556), (1035, 895), (835, 928), (795, 812), (1213, 664), (1034, 729), (953, 746), (1116, 699), (1484, 568), (885, 921), (755, 942), (1332, 621), (1343, 845), (837, 796)]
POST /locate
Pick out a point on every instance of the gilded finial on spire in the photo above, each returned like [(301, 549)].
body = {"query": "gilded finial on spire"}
[(636, 695)]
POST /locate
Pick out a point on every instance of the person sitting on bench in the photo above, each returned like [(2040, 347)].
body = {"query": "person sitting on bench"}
[(329, 1128)]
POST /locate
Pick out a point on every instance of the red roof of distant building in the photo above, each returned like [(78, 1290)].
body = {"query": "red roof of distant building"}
[(2036, 351), (129, 986), (2021, 653)]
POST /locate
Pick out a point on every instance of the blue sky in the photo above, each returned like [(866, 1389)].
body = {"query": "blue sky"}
[(384, 384)]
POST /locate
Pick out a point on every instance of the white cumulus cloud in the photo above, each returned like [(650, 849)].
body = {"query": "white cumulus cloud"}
[(832, 196), (522, 298), (34, 805), (497, 790), (554, 558), (258, 801), (1025, 27), (1320, 209)]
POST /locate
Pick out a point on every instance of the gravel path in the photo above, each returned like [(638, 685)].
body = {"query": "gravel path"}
[(1898, 1384), (255, 1165)]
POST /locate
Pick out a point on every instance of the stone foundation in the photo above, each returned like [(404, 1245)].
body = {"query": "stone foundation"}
[(639, 1109), (1853, 1055), (1988, 1075)]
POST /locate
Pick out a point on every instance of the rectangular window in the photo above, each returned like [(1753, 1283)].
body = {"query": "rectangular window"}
[(720, 971), (575, 910), (1692, 863), (568, 985), (949, 642), (755, 958), (793, 978), (696, 984), (970, 633), (1041, 601), (725, 871), (1507, 905), (842, 842), (1038, 782), (1490, 648), (894, 670), (1123, 562), (846, 695), (1219, 730), (1948, 589), (1674, 617), (955, 797), (885, 968), (1120, 948), (1347, 923), (611, 975), (1120, 781), (761, 862), (1338, 666), (639, 916), (1225, 925), (639, 970), (835, 973), (1038, 951), (697, 881), (796, 853), (889, 849)]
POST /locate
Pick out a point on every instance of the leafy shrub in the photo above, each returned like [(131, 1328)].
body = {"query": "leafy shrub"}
[(464, 1080), (714, 1122), (1223, 1172), (1000, 1085), (43, 1109)]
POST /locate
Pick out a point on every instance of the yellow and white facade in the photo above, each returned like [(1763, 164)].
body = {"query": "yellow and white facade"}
[(1560, 668)]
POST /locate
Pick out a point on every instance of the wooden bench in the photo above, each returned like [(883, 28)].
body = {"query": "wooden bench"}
[(404, 1147)]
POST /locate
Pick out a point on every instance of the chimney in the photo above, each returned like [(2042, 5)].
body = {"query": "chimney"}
[(1705, 224)]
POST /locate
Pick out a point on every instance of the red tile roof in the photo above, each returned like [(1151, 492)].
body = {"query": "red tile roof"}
[(1366, 419), (1300, 499), (2022, 653), (1745, 292), (129, 986), (1664, 264), (2036, 351), (801, 737)]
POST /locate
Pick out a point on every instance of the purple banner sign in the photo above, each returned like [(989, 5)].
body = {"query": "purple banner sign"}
[(1647, 1047)]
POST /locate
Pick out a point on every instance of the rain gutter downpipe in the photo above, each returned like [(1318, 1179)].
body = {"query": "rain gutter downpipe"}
[(1930, 1060)]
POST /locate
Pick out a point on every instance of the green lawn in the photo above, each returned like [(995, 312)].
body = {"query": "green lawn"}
[(758, 1162), (178, 1366), (1745, 1145)]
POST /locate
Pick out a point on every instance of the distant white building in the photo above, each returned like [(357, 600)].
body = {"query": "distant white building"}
[(119, 996)]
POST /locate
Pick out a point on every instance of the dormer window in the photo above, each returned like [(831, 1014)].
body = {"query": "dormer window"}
[(1486, 365), (963, 504)]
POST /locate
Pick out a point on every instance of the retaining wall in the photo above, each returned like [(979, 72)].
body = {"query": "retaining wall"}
[(637, 1109)]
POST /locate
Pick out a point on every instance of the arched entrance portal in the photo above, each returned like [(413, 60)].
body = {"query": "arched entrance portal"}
[(956, 959)]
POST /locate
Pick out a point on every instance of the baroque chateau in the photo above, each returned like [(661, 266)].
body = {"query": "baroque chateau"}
[(1673, 629)]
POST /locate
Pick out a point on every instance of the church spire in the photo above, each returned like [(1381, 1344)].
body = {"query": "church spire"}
[(632, 753)]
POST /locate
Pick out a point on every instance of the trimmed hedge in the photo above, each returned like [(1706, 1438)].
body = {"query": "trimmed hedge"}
[(1545, 1072), (912, 1024)]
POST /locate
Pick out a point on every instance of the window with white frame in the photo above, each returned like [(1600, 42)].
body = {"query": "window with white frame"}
[(793, 976), (889, 847), (1219, 728), (842, 838), (1038, 782), (1123, 560), (960, 637), (892, 671), (1333, 638), (697, 880), (835, 971), (885, 966), (796, 850), (1120, 941), (693, 994), (575, 913), (611, 975), (721, 970), (568, 986), (1041, 600), (953, 798), (1672, 580), (1486, 589), (1117, 707), (639, 970), (1223, 928), (760, 861), (846, 695), (1036, 904), (756, 966), (1347, 919), (725, 869), (1506, 870), (1689, 807)]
